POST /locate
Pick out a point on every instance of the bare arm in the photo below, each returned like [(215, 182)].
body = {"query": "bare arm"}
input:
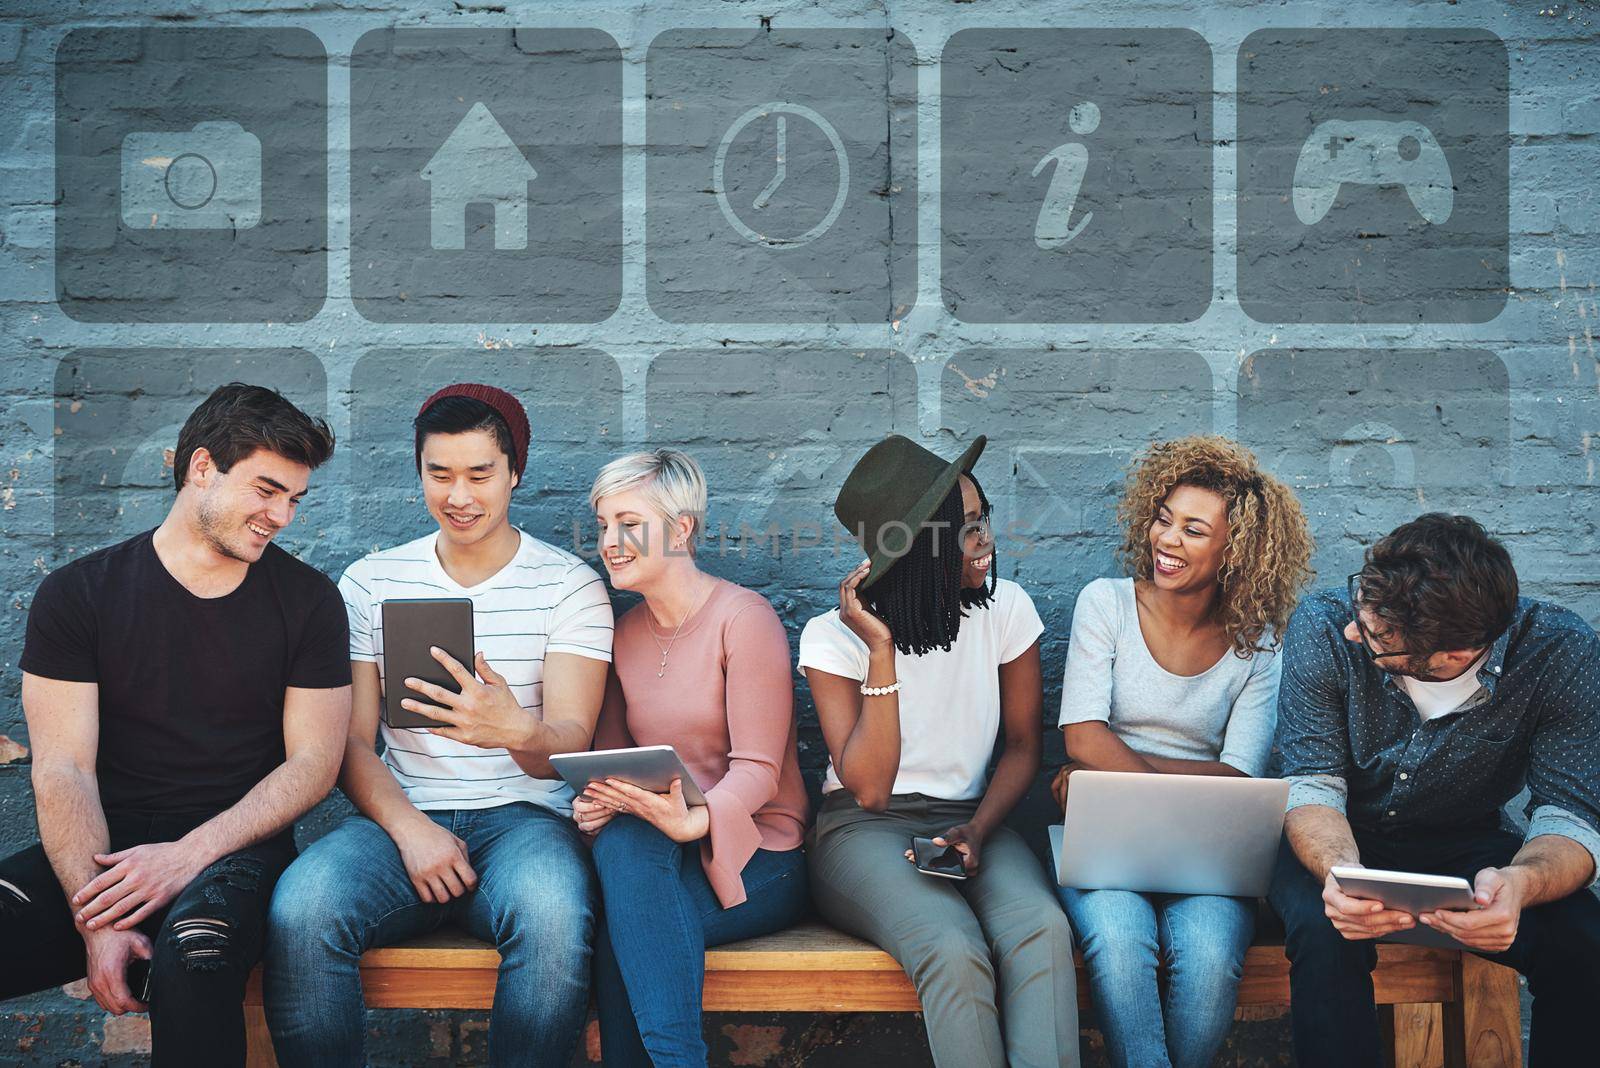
[(436, 860), (1547, 867), (1021, 705), (1320, 836), (140, 880), (64, 729), (574, 687), (1095, 746), (365, 779), (486, 714), (315, 725), (862, 733), (1550, 867)]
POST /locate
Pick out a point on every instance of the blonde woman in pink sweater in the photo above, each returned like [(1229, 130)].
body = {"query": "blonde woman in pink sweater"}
[(702, 665)]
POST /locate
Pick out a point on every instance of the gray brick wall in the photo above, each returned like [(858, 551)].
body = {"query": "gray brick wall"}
[(999, 259)]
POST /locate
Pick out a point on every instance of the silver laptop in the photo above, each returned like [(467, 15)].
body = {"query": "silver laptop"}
[(1170, 834)]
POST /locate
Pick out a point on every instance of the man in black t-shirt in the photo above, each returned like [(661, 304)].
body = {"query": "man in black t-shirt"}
[(187, 694)]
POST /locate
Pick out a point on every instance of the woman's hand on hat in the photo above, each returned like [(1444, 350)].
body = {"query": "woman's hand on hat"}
[(854, 613)]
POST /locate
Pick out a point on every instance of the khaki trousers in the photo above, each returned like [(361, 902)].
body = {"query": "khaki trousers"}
[(991, 956)]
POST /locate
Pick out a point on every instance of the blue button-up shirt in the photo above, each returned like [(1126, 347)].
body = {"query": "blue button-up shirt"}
[(1353, 740)]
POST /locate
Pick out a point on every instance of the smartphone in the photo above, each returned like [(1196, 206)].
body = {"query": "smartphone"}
[(138, 977), (943, 861), (410, 627)]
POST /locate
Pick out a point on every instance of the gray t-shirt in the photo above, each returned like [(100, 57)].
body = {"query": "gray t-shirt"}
[(1226, 713)]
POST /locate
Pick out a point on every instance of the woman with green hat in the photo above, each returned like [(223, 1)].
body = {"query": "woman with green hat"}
[(928, 659)]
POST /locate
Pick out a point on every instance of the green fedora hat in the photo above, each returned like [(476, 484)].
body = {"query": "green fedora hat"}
[(892, 491)]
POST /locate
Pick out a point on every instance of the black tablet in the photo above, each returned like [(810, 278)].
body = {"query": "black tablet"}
[(410, 627)]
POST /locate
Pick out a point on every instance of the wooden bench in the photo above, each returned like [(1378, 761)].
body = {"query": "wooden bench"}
[(1438, 1007)]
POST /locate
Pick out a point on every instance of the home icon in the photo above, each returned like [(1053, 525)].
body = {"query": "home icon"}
[(477, 164)]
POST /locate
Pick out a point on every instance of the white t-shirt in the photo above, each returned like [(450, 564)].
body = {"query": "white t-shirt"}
[(1434, 699), (949, 700), (545, 600)]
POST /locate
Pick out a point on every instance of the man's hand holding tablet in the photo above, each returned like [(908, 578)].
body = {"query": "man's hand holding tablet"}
[(1492, 927), (1360, 918), (1366, 903)]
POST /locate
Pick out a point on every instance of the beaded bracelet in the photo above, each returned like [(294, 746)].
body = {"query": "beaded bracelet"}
[(880, 691)]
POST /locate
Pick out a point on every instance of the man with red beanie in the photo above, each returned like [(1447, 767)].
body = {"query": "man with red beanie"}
[(467, 822)]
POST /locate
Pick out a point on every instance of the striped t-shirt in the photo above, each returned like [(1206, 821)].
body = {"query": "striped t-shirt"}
[(545, 600)]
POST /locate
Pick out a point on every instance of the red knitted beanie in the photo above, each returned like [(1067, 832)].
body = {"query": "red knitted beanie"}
[(504, 404)]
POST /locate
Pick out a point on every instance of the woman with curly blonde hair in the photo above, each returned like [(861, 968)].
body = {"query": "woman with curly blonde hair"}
[(1174, 670)]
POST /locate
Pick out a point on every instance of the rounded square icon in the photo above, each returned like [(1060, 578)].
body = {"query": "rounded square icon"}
[(1373, 175), (486, 175), (117, 414), (780, 180), (1076, 175), (573, 398), (192, 170)]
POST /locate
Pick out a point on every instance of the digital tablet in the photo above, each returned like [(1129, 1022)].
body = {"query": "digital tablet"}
[(1410, 892), (649, 767), (410, 627)]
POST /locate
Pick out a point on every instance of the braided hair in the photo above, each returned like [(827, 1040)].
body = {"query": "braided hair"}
[(921, 597)]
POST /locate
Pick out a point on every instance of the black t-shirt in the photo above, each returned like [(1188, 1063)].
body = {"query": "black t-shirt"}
[(191, 689)]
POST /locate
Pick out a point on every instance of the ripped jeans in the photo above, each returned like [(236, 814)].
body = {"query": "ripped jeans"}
[(205, 942)]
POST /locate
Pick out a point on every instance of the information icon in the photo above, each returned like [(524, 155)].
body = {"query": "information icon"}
[(777, 114), (1076, 175)]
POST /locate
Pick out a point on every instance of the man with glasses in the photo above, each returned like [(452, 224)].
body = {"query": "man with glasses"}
[(1414, 705)]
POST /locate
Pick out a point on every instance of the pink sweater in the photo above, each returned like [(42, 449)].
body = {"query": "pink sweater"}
[(726, 704)]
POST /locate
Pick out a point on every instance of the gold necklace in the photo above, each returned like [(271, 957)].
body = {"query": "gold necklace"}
[(662, 668)]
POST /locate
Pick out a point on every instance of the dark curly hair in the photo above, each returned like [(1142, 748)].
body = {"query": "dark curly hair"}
[(1268, 556), (1442, 582)]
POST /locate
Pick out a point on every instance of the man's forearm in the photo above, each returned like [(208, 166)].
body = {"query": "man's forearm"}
[(1550, 867), (551, 736), (275, 802), (72, 825), (1320, 836), (372, 788)]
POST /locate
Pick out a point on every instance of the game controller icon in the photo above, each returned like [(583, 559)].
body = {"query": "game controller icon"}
[(1372, 152)]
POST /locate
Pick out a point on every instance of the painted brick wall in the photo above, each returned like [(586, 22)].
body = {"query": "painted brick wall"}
[(958, 280)]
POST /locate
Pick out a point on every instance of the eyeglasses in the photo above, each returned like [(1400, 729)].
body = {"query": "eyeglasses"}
[(980, 526), (1352, 584)]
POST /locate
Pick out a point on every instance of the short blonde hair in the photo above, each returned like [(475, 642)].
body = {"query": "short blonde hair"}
[(670, 480)]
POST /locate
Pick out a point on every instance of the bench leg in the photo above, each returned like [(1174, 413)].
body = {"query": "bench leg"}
[(1411, 1036), (1484, 1029), (257, 1039)]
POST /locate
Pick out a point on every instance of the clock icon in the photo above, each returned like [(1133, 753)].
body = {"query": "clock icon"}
[(774, 131)]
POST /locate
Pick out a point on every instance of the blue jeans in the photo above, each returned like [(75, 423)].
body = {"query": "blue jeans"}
[(1202, 940), (661, 914), (349, 892)]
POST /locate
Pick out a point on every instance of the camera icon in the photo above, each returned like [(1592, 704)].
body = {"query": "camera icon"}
[(208, 178)]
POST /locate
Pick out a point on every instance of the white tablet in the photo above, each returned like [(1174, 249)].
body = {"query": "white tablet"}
[(1410, 892), (649, 767), (1406, 891)]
